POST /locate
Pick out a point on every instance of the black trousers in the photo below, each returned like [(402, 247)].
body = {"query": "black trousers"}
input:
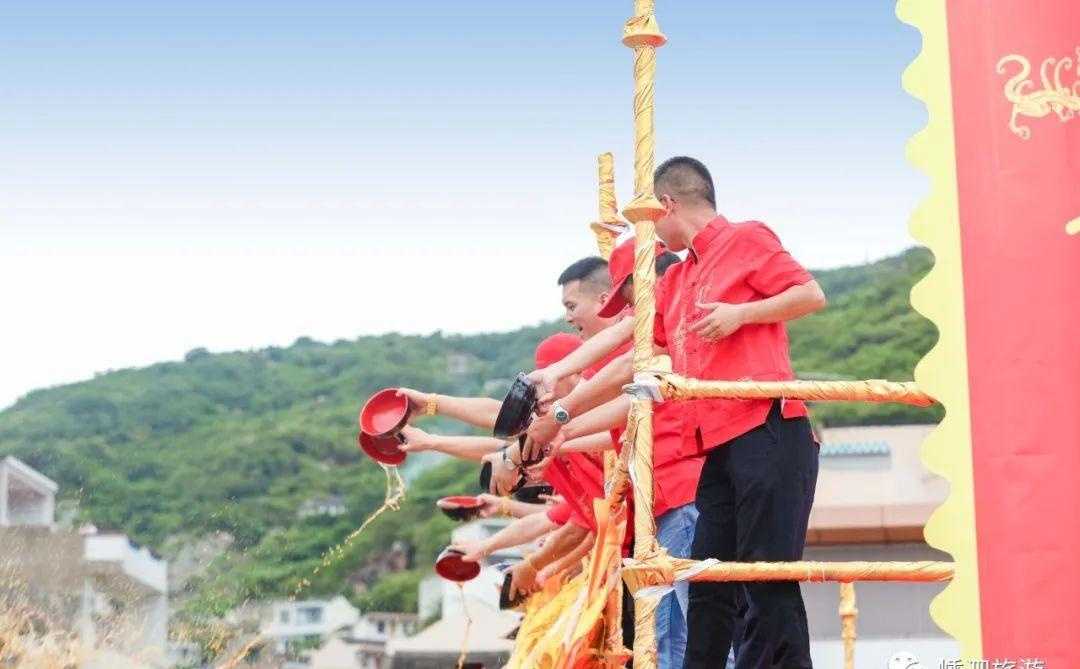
[(754, 500)]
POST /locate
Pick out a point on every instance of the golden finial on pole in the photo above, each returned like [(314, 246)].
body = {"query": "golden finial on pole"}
[(608, 226)]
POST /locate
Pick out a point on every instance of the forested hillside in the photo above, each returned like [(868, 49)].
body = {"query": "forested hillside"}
[(232, 445)]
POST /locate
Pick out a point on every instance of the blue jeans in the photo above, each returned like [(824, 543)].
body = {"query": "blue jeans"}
[(675, 532)]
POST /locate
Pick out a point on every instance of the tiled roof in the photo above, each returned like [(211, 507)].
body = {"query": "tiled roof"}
[(854, 448)]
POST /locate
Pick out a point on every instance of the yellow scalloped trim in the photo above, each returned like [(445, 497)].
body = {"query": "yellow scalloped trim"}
[(940, 297)]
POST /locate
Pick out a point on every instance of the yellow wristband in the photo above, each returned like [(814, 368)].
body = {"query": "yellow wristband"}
[(432, 406), (504, 506)]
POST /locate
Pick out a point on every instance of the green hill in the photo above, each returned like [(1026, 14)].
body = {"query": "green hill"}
[(235, 443)]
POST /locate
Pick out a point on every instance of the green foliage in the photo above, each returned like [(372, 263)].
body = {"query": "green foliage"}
[(237, 442)]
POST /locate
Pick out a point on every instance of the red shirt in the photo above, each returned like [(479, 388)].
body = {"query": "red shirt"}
[(560, 513), (579, 479), (675, 474), (734, 263)]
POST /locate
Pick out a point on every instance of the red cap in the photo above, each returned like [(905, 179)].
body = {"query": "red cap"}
[(555, 348), (621, 266)]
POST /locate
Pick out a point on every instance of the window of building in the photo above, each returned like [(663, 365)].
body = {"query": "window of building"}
[(381, 626), (308, 615)]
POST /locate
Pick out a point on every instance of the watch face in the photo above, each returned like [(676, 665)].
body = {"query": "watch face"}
[(561, 415)]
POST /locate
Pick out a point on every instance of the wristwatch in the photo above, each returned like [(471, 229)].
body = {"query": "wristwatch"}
[(560, 414)]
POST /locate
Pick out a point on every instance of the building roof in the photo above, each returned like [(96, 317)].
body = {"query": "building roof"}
[(872, 486), (28, 474), (487, 634)]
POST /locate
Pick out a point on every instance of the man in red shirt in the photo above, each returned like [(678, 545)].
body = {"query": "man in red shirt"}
[(720, 314)]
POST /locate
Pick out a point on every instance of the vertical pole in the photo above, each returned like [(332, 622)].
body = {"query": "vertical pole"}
[(607, 229), (608, 226), (642, 34), (848, 616)]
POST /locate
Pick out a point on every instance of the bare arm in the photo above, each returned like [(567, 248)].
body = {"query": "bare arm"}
[(570, 560), (607, 416), (724, 318), (591, 443), (558, 544), (463, 447), (605, 386), (521, 531), (477, 411), (592, 351)]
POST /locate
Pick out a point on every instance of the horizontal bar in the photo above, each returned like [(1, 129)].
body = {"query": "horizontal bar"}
[(676, 387), (662, 570)]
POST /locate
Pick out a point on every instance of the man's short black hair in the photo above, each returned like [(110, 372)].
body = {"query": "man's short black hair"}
[(687, 178), (664, 261), (485, 476), (591, 271)]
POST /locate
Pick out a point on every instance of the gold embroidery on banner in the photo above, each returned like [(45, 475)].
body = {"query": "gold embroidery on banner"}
[(1054, 96)]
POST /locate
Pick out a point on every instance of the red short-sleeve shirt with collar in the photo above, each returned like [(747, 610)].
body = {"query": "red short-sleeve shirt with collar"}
[(733, 263)]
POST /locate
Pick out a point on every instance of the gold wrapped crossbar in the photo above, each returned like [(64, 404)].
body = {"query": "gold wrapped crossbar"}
[(638, 574), (676, 387)]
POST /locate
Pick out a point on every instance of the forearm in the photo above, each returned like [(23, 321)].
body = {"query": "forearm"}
[(590, 443), (574, 557), (594, 349), (521, 531), (605, 386), (521, 509), (795, 302), (607, 416), (561, 542), (466, 447), (478, 411)]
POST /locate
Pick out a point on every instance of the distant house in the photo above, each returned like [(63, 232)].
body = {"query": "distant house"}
[(27, 498), (294, 625), (109, 591), (363, 646), (487, 639)]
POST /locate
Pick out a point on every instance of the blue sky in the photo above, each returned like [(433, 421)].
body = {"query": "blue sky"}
[(235, 175)]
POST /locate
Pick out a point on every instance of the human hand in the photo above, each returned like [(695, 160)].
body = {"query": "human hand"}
[(541, 432), (418, 400), (417, 441), (474, 550), (492, 504), (522, 579), (545, 381), (722, 320)]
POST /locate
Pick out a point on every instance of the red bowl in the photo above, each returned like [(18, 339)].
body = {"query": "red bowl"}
[(450, 566), (382, 449), (385, 413), (460, 507)]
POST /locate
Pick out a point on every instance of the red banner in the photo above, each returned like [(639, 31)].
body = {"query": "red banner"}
[(1016, 113)]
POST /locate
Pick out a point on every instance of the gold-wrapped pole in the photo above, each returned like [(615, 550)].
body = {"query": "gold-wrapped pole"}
[(638, 573), (642, 34), (608, 226), (848, 616), (676, 387)]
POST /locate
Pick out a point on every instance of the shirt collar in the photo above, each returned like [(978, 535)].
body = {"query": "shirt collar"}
[(703, 240)]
